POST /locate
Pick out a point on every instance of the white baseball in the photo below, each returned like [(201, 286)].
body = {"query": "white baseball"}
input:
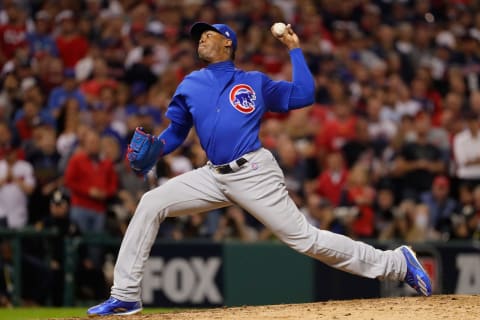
[(279, 28)]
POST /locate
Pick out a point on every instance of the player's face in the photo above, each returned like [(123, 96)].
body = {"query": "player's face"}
[(211, 47)]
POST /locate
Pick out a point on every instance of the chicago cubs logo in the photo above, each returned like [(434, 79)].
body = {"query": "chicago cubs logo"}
[(242, 98)]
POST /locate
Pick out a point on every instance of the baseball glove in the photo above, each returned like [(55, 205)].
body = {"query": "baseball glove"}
[(143, 151)]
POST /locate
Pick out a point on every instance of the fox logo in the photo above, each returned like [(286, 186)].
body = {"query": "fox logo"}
[(242, 98)]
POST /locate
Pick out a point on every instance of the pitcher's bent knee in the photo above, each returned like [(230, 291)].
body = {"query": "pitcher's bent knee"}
[(152, 204)]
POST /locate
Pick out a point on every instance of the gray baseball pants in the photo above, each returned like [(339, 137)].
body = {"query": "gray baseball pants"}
[(258, 187)]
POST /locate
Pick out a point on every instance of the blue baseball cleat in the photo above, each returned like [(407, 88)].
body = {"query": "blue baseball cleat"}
[(416, 276), (116, 307)]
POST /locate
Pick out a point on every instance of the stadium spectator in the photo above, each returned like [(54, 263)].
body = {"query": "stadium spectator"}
[(100, 78), (67, 90), (9, 100), (419, 161), (337, 130), (409, 223), (440, 208), (113, 44), (72, 46), (101, 115), (50, 74), (333, 178), (69, 118), (360, 148), (17, 182), (84, 67), (7, 140), (468, 59), (466, 150), (153, 38), (380, 130), (321, 213), (27, 118), (358, 193), (293, 167), (465, 210), (402, 101), (92, 181), (72, 137), (45, 161), (120, 120), (58, 219), (31, 91), (13, 34), (384, 208), (42, 258), (141, 71), (41, 43)]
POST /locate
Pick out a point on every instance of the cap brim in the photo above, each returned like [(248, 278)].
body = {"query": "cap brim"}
[(199, 28)]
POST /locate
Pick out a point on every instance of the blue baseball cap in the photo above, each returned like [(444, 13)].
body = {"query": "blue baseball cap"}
[(200, 27)]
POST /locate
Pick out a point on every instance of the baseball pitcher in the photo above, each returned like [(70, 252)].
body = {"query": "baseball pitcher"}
[(226, 105)]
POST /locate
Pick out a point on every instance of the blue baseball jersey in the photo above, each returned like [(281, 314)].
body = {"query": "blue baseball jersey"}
[(226, 105)]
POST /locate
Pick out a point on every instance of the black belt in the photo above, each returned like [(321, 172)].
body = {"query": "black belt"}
[(226, 168)]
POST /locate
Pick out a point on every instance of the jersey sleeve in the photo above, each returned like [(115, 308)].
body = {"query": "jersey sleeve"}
[(282, 96), (276, 94), (173, 136), (181, 122), (177, 110), (303, 90)]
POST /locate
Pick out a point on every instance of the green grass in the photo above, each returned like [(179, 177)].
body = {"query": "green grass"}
[(52, 313)]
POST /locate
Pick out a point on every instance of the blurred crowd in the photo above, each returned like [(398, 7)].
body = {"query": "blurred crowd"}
[(390, 149)]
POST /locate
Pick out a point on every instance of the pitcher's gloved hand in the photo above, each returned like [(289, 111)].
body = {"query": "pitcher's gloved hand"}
[(143, 151)]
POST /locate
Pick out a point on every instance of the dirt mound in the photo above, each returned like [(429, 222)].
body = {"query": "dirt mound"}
[(462, 307)]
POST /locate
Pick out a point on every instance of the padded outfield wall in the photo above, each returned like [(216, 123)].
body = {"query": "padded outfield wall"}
[(205, 274), (236, 274)]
